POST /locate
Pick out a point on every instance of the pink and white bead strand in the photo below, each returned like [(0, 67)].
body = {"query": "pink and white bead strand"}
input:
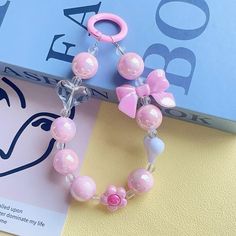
[(63, 129), (148, 117)]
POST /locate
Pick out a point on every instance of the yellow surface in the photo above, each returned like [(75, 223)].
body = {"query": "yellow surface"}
[(195, 188)]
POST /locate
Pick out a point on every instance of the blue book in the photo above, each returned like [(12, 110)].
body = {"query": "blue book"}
[(193, 40)]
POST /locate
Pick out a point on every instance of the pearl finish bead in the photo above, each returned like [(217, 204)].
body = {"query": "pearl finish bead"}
[(85, 65), (130, 66), (65, 161), (63, 129), (140, 181), (149, 117), (83, 188)]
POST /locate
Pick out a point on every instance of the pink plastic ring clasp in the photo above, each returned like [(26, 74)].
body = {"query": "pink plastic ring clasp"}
[(109, 17)]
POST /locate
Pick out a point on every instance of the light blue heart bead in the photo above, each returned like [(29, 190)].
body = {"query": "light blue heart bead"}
[(154, 147)]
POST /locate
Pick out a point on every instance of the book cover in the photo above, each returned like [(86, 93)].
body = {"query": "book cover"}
[(193, 40)]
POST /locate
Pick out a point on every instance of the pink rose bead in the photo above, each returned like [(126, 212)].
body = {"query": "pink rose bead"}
[(140, 181), (83, 188), (65, 161), (63, 129), (85, 65), (149, 117), (113, 200), (130, 66)]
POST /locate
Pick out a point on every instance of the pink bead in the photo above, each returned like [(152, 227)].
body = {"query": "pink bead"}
[(113, 200), (65, 161), (63, 129), (85, 65), (130, 66), (140, 181), (149, 117), (83, 188)]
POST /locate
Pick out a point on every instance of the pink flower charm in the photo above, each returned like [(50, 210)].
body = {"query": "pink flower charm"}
[(114, 198)]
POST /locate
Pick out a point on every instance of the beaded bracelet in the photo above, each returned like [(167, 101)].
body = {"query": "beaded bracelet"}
[(148, 116)]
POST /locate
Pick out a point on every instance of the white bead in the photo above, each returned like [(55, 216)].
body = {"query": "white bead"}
[(154, 147)]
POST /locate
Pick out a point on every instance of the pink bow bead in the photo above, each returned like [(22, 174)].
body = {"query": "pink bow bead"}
[(155, 85)]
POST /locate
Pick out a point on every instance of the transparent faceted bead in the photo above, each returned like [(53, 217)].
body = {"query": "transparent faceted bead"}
[(152, 133), (76, 80), (60, 146), (69, 178), (138, 82), (145, 100), (93, 49), (71, 93), (150, 167), (96, 199), (130, 194), (119, 49), (65, 113)]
